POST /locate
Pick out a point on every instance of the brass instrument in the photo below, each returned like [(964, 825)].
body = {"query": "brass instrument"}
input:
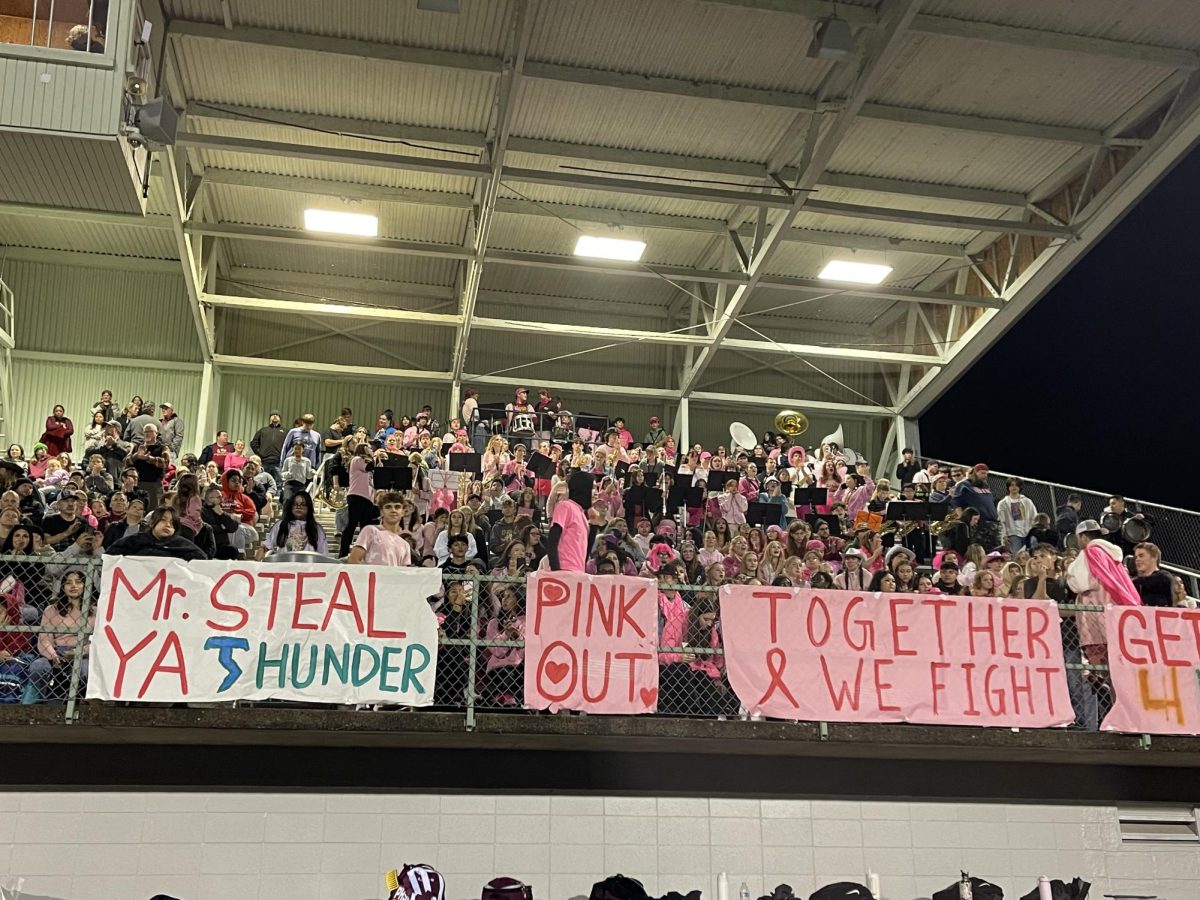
[(790, 422), (464, 487), (337, 498), (899, 529), (936, 528)]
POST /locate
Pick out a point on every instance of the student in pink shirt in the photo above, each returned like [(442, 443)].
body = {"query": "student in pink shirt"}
[(567, 546), (383, 544)]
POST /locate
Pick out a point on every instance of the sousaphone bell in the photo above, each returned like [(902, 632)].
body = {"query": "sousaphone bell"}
[(790, 422)]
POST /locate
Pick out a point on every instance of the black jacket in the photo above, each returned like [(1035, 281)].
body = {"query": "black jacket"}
[(145, 544), (268, 443)]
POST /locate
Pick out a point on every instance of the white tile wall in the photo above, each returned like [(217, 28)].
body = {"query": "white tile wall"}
[(117, 846)]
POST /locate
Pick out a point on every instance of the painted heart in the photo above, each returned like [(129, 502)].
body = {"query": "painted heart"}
[(556, 672), (649, 697)]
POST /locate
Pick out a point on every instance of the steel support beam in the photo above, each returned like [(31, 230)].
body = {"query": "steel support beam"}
[(329, 369), (576, 387), (485, 323), (849, 409), (938, 220), (507, 95), (333, 310), (316, 239), (96, 217), (579, 264), (612, 155), (879, 56), (428, 165), (187, 258), (614, 217)]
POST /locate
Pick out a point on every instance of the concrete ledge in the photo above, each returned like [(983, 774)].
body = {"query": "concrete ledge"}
[(292, 726)]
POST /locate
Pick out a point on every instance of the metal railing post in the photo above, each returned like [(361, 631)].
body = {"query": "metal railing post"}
[(82, 633), (1053, 504), (474, 652)]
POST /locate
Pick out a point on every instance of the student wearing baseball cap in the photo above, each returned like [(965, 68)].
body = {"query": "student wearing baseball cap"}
[(655, 436)]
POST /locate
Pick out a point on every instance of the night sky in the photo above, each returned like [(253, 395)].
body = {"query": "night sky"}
[(1096, 386)]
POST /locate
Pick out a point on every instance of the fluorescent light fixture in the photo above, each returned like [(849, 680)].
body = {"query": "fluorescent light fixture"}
[(341, 222), (609, 248), (857, 272)]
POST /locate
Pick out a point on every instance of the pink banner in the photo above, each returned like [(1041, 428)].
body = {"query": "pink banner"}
[(1153, 657), (591, 643), (839, 656)]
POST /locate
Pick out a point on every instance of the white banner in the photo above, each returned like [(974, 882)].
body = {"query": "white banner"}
[(169, 632)]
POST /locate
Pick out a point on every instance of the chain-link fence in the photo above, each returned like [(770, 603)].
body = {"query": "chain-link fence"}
[(1175, 531), (46, 622), (48, 619)]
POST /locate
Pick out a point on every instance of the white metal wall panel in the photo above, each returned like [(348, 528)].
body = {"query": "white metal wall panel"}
[(247, 397), (76, 383), (74, 99), (107, 313)]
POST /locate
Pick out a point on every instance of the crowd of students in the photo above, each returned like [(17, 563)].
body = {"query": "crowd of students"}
[(481, 498)]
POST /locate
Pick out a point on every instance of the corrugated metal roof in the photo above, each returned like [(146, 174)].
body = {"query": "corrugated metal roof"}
[(1023, 83), (686, 40), (403, 221), (477, 29), (320, 260), (298, 81), (581, 285), (586, 114), (1168, 23), (545, 235), (87, 237), (969, 159), (330, 171)]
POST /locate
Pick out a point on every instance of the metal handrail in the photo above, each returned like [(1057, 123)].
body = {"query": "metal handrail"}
[(1073, 489)]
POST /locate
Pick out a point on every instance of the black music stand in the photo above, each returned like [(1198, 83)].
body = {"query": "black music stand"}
[(811, 496), (393, 478), (762, 514), (540, 465), (466, 462)]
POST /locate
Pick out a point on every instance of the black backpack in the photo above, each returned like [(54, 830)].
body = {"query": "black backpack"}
[(618, 887)]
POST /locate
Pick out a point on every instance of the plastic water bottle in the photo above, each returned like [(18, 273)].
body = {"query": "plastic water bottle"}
[(744, 892)]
